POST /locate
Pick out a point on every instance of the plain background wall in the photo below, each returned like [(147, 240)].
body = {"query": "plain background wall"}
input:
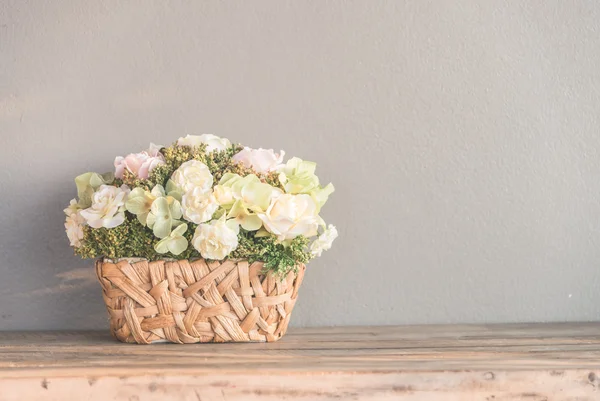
[(462, 136)]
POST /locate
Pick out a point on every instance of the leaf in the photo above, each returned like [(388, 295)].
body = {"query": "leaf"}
[(109, 177), (85, 198), (322, 194), (86, 184)]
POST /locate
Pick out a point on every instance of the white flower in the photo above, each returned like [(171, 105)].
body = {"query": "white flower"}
[(289, 216), (193, 174), (217, 239), (198, 206), (108, 207), (74, 224), (140, 164), (261, 160), (212, 142), (324, 241)]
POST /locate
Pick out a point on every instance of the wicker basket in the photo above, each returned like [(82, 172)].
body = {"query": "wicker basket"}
[(191, 302)]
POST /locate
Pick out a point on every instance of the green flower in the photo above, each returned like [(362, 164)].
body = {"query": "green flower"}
[(140, 201), (157, 210), (88, 183), (174, 191), (175, 242), (229, 179), (244, 217), (298, 177), (320, 195), (249, 197)]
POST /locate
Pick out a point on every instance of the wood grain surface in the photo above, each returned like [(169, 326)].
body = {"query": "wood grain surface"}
[(532, 362)]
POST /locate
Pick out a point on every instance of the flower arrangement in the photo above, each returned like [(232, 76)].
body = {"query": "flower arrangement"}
[(202, 197)]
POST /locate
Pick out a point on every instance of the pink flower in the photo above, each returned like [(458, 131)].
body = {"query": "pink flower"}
[(261, 160), (140, 164)]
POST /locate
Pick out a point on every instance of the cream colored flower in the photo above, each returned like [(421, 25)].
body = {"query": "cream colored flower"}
[(198, 206), (140, 164), (217, 239), (74, 224), (72, 208), (74, 228), (108, 207), (323, 241), (212, 142), (261, 160), (289, 216), (223, 196), (193, 174)]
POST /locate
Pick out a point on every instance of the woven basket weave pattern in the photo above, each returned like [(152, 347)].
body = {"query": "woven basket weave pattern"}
[(190, 302)]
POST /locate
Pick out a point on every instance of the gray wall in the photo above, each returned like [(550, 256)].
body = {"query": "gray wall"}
[(462, 136)]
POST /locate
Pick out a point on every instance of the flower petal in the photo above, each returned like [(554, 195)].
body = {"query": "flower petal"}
[(177, 245), (162, 227)]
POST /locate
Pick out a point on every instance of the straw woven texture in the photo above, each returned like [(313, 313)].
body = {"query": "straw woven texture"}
[(190, 302)]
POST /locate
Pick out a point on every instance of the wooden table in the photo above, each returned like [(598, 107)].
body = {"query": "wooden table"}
[(531, 362)]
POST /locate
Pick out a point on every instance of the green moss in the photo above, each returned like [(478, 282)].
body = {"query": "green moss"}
[(276, 256), (272, 179), (127, 240), (111, 243), (141, 241), (159, 176)]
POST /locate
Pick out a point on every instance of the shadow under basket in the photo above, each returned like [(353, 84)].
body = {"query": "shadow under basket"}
[(196, 301)]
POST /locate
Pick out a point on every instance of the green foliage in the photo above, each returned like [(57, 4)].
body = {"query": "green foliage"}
[(220, 162), (130, 239), (158, 176), (277, 257), (272, 178), (104, 242), (141, 241), (175, 155)]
